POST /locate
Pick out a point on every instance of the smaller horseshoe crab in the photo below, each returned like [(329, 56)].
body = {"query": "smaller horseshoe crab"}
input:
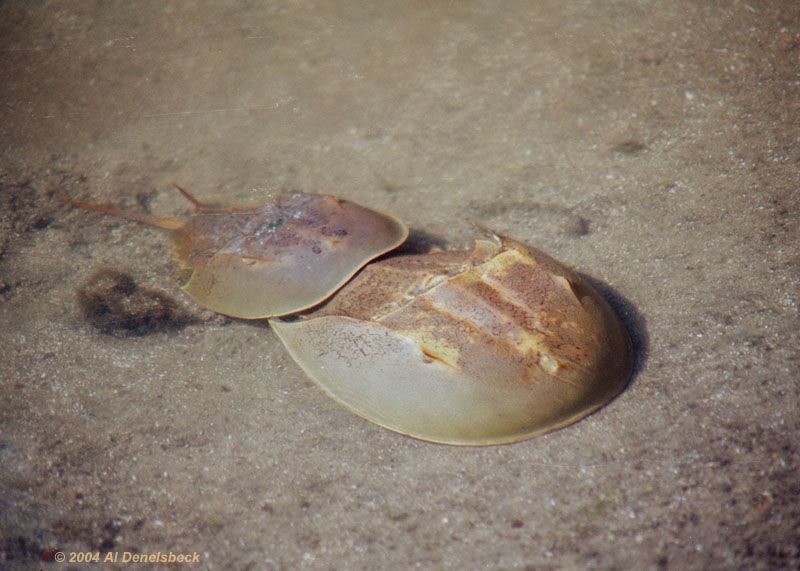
[(275, 259), (488, 346)]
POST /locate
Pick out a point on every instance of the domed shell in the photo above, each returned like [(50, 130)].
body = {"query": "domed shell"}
[(275, 259), (471, 348)]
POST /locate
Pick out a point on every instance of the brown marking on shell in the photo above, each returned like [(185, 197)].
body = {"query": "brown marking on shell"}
[(510, 344), (274, 259)]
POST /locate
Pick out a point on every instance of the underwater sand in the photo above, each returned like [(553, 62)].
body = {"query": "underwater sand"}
[(651, 146)]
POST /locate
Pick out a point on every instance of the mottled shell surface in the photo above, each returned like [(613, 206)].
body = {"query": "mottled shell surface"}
[(275, 259), (487, 346), (283, 257)]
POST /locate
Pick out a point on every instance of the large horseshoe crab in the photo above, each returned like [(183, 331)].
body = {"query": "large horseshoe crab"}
[(487, 346)]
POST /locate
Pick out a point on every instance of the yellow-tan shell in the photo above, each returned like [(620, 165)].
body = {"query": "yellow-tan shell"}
[(489, 346), (275, 259)]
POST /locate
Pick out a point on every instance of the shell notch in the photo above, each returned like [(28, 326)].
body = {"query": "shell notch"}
[(488, 346), (275, 259)]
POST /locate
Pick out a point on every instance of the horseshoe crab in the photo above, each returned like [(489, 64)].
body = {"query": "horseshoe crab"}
[(488, 346), (274, 259)]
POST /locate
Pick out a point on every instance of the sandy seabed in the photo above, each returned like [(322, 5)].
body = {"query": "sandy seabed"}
[(652, 146)]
